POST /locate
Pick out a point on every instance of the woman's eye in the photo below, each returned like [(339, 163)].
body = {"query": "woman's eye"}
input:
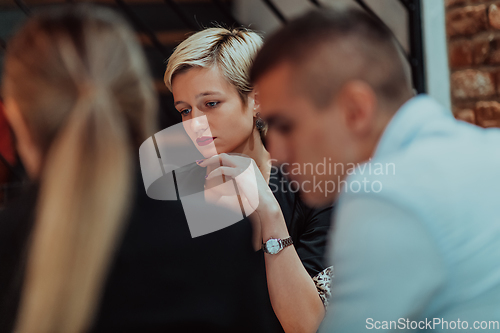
[(212, 104), (185, 112)]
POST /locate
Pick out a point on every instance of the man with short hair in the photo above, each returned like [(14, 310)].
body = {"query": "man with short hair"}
[(416, 240)]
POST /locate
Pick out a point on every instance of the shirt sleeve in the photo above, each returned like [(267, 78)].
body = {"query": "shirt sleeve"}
[(323, 281), (387, 267)]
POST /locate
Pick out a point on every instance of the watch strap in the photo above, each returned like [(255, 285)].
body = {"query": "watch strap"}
[(286, 242)]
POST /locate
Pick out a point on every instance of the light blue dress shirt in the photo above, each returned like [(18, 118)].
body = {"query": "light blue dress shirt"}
[(417, 247)]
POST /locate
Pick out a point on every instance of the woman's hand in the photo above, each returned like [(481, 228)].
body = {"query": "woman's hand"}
[(227, 170), (252, 186)]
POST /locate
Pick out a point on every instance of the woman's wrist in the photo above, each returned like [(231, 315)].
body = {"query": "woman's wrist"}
[(273, 224)]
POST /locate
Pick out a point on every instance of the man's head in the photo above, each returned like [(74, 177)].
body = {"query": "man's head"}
[(328, 83)]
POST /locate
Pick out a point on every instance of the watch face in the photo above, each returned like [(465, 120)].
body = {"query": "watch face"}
[(273, 246)]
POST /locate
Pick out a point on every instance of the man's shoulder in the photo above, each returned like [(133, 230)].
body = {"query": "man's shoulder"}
[(448, 177), (437, 160)]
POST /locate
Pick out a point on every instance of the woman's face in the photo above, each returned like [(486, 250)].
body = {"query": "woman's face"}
[(212, 111)]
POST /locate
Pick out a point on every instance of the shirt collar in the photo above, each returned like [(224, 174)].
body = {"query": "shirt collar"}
[(408, 121)]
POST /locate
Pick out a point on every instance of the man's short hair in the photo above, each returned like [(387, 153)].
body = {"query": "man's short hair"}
[(330, 47)]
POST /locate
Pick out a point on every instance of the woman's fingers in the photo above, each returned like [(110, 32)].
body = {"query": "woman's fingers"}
[(223, 170), (226, 160), (213, 160)]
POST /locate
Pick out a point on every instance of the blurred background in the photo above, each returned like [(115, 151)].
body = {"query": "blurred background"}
[(453, 47)]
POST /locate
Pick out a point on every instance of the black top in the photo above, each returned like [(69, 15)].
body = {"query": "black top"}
[(16, 222), (308, 227), (162, 279)]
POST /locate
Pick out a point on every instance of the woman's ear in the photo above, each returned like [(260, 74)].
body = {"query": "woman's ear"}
[(253, 101)]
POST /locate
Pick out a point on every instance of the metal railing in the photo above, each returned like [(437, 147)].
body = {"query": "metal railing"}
[(415, 56)]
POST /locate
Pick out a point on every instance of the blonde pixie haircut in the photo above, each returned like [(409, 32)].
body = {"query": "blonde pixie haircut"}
[(232, 51)]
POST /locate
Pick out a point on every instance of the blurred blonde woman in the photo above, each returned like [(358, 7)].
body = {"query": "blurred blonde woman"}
[(208, 74), (80, 101), (98, 254)]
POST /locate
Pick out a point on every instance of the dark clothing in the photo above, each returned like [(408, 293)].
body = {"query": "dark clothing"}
[(308, 227), (162, 279), (16, 223)]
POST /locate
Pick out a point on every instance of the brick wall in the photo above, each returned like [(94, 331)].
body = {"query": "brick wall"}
[(473, 29)]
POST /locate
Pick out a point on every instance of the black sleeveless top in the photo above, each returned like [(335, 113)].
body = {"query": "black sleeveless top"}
[(163, 280)]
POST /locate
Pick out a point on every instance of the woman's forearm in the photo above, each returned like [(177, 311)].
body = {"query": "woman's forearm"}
[(293, 294)]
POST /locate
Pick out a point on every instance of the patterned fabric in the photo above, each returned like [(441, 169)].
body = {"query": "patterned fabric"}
[(322, 280)]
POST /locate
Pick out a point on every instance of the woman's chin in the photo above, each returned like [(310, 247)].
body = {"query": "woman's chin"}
[(208, 151), (212, 149)]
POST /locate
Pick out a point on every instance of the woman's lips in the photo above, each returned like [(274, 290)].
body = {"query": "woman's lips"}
[(204, 140)]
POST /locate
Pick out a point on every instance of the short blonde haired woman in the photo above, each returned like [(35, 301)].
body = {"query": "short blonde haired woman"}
[(208, 74)]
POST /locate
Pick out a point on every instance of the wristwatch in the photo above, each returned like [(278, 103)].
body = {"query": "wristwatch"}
[(275, 245)]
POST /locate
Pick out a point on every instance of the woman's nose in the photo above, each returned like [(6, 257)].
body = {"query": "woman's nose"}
[(199, 123)]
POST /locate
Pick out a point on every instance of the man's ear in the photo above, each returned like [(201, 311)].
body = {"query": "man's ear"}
[(358, 104)]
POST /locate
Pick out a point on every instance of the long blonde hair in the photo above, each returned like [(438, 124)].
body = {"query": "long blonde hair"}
[(84, 90)]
